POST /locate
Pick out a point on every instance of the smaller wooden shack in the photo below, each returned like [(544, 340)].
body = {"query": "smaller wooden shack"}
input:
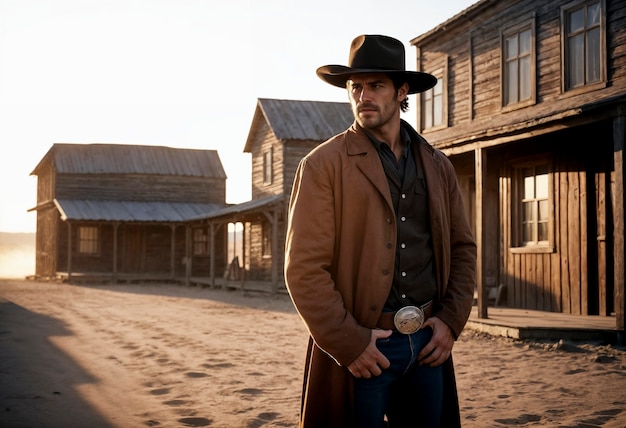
[(120, 212), (281, 134)]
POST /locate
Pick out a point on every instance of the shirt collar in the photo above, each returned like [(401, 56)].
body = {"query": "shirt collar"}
[(405, 139)]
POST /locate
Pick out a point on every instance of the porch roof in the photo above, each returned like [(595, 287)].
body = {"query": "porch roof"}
[(131, 211), (242, 208)]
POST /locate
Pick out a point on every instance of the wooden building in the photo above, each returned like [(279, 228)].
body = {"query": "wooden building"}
[(281, 134), (530, 106), (121, 212)]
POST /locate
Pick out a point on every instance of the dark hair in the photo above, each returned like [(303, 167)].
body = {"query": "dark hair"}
[(398, 81)]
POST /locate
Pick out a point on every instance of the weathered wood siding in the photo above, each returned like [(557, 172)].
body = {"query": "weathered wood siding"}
[(134, 187), (471, 51), (574, 276), (269, 143), (573, 130)]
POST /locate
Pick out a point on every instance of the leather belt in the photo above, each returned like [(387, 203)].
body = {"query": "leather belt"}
[(386, 320)]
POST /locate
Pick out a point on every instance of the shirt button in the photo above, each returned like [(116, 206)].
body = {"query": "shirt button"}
[(403, 196), (403, 245), (403, 218), (403, 274), (404, 296)]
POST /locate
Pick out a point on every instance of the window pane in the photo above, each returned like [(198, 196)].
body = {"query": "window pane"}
[(542, 232), (593, 55), (529, 187), (524, 78), (576, 61), (511, 47), (576, 21), (528, 212), (428, 114), (541, 183), (438, 110), (543, 210), (524, 42), (527, 232), (593, 14), (438, 88), (511, 80)]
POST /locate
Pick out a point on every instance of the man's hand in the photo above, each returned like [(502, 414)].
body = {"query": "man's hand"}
[(371, 361), (439, 348)]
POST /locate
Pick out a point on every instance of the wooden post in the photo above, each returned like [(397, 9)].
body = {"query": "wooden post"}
[(188, 254), (480, 172), (173, 252), (69, 251), (619, 246), (115, 249), (212, 252)]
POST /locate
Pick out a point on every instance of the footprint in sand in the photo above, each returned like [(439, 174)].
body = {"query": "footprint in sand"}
[(195, 374), (196, 422)]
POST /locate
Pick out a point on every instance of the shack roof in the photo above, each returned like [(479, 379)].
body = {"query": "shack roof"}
[(132, 159), (300, 120), (131, 211)]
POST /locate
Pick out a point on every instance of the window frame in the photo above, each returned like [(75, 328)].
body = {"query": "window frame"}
[(440, 73), (94, 242), (527, 23), (200, 247), (268, 168), (266, 239), (566, 10), (518, 245)]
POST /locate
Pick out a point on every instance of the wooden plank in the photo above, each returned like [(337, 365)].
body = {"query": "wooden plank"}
[(573, 248), (619, 244), (480, 159), (584, 245), (601, 215), (563, 248)]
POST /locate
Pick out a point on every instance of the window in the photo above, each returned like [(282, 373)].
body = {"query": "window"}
[(266, 242), (518, 66), (534, 205), (433, 106), (583, 44), (88, 240), (200, 242), (267, 167)]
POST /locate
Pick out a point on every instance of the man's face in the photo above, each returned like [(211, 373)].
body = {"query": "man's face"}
[(374, 99)]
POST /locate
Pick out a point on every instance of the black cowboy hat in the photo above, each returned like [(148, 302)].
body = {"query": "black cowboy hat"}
[(376, 54)]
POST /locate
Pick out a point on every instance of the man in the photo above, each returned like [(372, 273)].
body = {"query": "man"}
[(380, 260)]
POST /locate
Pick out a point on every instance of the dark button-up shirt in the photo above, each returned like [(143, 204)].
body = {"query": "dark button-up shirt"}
[(414, 280)]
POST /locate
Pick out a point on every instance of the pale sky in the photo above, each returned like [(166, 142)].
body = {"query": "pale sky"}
[(177, 73)]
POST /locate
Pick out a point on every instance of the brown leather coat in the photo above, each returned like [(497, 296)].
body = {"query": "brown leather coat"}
[(339, 262)]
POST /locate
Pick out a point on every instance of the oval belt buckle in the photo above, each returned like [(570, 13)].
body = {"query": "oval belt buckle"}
[(409, 319)]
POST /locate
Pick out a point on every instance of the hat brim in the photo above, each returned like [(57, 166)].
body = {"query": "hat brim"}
[(338, 75)]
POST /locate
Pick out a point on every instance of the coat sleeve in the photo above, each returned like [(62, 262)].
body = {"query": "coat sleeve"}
[(460, 258), (310, 260)]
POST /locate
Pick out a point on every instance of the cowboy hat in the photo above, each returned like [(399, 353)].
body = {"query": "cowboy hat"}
[(376, 54)]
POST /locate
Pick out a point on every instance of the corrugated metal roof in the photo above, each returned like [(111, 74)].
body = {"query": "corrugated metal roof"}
[(130, 211), (243, 207), (133, 159), (306, 120)]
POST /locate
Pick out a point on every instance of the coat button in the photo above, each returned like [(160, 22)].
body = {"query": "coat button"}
[(385, 271), (388, 244), (373, 308)]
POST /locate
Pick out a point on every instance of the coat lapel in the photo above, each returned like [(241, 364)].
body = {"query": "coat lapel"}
[(367, 161)]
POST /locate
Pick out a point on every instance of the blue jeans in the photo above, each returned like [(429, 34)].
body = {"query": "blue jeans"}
[(409, 395)]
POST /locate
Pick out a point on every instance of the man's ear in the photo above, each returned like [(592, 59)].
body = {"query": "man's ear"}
[(403, 91)]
